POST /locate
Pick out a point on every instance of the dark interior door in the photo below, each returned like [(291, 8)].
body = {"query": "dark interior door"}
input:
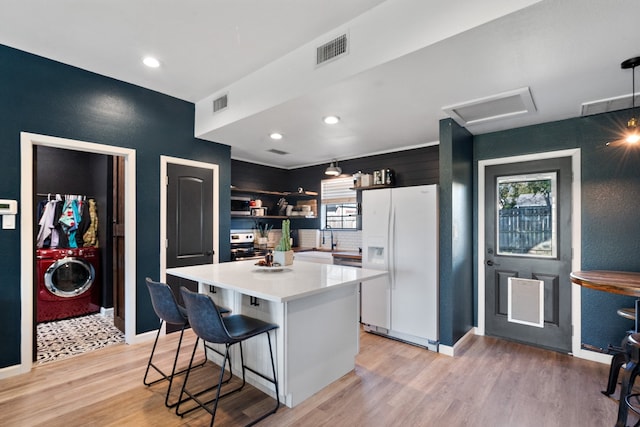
[(528, 236), (118, 243), (189, 221)]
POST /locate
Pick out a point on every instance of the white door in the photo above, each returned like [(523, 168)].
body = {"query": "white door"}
[(376, 212), (414, 261)]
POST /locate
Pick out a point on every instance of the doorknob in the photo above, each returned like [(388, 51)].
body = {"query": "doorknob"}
[(209, 253), (490, 263)]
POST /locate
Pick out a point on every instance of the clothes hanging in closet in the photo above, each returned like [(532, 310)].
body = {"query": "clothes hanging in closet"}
[(47, 234), (90, 237), (63, 223)]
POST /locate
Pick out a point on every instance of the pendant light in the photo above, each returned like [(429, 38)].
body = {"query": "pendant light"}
[(633, 132), (333, 169)]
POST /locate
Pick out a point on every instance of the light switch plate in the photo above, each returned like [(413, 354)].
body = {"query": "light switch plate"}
[(8, 222)]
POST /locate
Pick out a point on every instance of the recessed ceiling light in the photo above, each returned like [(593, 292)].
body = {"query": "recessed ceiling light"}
[(275, 135), (151, 62), (331, 120)]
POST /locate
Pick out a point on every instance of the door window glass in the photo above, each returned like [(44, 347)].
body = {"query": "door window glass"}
[(526, 220)]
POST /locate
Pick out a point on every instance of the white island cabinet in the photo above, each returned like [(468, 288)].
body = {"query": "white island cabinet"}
[(316, 307)]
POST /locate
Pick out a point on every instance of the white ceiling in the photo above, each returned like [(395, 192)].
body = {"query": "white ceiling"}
[(407, 60)]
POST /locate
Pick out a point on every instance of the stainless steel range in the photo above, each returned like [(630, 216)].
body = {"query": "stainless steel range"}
[(242, 246)]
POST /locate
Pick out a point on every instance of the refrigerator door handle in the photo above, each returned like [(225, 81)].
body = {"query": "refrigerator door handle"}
[(392, 248)]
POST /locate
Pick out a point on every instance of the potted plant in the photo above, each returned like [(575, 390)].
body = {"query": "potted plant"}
[(283, 254), (263, 234)]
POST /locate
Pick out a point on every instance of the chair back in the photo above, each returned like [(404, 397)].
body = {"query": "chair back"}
[(164, 303), (204, 318)]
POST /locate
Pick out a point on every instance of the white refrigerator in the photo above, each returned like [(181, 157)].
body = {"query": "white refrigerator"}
[(400, 235)]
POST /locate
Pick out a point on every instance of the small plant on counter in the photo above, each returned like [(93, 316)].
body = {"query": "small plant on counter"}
[(263, 229), (283, 254), (285, 240)]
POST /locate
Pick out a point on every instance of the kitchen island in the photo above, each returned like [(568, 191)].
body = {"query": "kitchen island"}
[(316, 307)]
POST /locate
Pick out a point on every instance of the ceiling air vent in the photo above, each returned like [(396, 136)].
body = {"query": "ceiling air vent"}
[(220, 103), (507, 104), (274, 151), (610, 104), (332, 50)]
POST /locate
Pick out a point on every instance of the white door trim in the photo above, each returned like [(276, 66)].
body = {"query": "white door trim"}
[(576, 239), (164, 160), (27, 254)]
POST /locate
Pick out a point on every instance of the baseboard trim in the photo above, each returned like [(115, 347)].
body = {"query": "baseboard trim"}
[(13, 370), (451, 350), (594, 356), (106, 311)]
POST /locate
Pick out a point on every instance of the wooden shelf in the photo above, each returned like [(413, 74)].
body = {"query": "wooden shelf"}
[(372, 187), (275, 193), (273, 217)]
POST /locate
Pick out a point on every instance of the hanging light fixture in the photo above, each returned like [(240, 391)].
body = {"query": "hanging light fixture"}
[(333, 169), (633, 132)]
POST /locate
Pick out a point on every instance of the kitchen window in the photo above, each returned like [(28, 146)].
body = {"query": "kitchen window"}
[(339, 204)]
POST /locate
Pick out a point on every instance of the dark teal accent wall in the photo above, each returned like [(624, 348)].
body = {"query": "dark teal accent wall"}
[(610, 204), (46, 97), (456, 232)]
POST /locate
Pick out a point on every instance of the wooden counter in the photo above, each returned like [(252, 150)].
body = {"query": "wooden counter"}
[(616, 282)]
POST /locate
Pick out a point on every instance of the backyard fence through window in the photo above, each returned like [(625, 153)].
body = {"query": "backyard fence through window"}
[(525, 230)]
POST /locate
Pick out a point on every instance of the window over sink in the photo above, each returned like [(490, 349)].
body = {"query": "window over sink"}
[(339, 205)]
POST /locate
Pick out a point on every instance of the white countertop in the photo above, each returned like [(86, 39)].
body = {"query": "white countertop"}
[(294, 281)]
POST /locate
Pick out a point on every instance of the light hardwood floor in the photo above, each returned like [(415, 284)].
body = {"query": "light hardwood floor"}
[(490, 383)]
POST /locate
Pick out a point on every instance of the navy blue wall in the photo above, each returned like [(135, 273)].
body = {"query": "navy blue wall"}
[(42, 96), (610, 204), (456, 233)]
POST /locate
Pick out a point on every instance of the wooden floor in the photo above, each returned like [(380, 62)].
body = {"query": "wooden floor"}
[(490, 383)]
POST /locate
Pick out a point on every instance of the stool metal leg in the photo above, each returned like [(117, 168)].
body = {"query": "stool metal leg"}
[(274, 381), (628, 377), (164, 376), (194, 396), (150, 362), (617, 361), (221, 381)]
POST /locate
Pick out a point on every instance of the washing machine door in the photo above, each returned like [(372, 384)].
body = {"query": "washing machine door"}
[(69, 277)]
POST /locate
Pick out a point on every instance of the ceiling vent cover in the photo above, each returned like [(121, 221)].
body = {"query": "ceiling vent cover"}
[(610, 104), (220, 103), (507, 104), (275, 151), (332, 50)]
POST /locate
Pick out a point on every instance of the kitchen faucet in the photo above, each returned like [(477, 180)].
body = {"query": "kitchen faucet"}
[(333, 245)]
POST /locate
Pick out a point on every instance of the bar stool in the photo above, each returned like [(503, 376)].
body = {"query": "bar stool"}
[(633, 402), (620, 354), (168, 310), (629, 375), (211, 327)]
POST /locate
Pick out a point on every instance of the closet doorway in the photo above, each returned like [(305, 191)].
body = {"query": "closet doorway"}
[(79, 279), (124, 264)]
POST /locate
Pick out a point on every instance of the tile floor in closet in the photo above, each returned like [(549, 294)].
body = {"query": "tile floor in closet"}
[(69, 337)]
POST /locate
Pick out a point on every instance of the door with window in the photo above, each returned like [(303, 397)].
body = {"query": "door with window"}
[(528, 252)]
